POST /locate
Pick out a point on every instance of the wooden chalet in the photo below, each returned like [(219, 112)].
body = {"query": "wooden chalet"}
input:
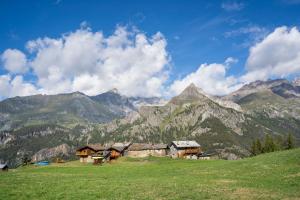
[(185, 149), (144, 150), (117, 150), (85, 153), (3, 167)]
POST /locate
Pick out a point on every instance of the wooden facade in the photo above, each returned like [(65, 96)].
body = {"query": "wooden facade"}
[(185, 149), (177, 149), (85, 153)]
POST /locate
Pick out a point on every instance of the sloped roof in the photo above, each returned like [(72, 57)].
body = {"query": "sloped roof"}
[(120, 144), (3, 166), (160, 146), (96, 147), (145, 146), (182, 144), (139, 147), (117, 148)]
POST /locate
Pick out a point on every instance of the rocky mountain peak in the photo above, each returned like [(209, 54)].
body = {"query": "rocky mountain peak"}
[(296, 81), (114, 90), (193, 90), (189, 94)]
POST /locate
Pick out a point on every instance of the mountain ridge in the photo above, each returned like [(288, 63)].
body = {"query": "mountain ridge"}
[(218, 124)]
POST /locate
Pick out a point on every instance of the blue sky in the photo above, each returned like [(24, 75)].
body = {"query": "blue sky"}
[(195, 32)]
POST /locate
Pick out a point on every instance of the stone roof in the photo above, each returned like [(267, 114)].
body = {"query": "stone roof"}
[(184, 144), (96, 147), (145, 146), (2, 166)]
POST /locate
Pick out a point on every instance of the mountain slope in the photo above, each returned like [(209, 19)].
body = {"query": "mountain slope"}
[(218, 124), (55, 109), (190, 115), (195, 115)]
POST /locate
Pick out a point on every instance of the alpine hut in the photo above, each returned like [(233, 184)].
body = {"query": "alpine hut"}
[(185, 149), (144, 150), (117, 150), (85, 153)]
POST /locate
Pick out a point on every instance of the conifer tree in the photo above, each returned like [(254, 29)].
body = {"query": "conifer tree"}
[(253, 148), (259, 147), (269, 144), (290, 142)]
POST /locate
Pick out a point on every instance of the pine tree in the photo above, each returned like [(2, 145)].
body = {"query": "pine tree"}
[(269, 144), (253, 148), (290, 142), (25, 159), (259, 147)]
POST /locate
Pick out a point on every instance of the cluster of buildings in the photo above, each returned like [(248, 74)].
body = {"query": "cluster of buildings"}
[(97, 153)]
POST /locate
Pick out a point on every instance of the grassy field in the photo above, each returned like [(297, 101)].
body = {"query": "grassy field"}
[(269, 176)]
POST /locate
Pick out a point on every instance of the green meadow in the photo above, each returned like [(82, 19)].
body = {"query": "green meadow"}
[(269, 176)]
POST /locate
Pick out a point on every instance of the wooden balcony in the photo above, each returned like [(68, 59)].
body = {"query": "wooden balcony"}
[(192, 151), (79, 153)]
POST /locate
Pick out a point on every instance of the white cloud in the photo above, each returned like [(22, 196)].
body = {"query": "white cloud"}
[(231, 60), (16, 86), (232, 6), (14, 61), (211, 78), (89, 62), (137, 65), (277, 55), (253, 33)]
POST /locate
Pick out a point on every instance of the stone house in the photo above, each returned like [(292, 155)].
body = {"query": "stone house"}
[(185, 149), (143, 150)]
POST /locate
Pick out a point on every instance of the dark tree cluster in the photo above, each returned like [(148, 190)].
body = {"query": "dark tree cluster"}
[(269, 144)]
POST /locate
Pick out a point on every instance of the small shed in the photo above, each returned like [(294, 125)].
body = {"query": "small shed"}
[(144, 150), (4, 167), (185, 149)]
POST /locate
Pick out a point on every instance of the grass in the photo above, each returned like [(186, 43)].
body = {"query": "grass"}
[(269, 176)]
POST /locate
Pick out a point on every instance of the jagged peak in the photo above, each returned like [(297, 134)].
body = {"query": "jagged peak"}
[(190, 94), (296, 81), (192, 89), (114, 90)]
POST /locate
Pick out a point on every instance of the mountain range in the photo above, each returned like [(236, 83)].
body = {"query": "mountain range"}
[(223, 125)]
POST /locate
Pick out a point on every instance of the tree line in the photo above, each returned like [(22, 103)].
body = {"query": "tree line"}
[(269, 144)]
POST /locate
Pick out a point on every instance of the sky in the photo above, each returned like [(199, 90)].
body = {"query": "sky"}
[(145, 48)]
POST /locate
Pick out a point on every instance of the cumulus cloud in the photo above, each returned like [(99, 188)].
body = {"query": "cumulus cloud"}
[(277, 55), (232, 6), (16, 86), (14, 61), (211, 78), (136, 64), (89, 62)]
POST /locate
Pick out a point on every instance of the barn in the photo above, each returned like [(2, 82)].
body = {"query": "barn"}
[(85, 153), (185, 149), (143, 150)]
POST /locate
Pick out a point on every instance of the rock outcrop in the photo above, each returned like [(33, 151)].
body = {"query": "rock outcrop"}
[(60, 151)]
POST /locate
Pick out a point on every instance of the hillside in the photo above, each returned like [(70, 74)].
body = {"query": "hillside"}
[(223, 125), (269, 176)]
